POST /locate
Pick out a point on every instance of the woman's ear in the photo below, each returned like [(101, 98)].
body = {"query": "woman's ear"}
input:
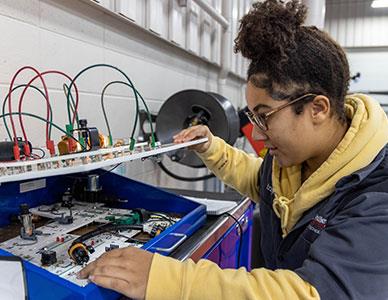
[(320, 109)]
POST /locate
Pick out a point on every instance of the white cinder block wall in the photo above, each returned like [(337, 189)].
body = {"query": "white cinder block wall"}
[(68, 35)]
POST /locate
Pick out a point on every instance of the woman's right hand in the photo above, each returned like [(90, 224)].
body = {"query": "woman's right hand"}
[(194, 133)]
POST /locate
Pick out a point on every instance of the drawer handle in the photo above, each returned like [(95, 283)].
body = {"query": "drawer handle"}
[(182, 236)]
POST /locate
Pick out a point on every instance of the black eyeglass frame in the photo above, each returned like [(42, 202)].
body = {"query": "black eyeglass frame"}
[(260, 120)]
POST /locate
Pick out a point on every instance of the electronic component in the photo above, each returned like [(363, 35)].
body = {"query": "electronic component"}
[(48, 257), (79, 253), (93, 188), (65, 219), (7, 150), (93, 183), (67, 145), (27, 231), (138, 216), (111, 247), (67, 201), (89, 135)]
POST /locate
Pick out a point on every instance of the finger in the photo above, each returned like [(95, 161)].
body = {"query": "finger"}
[(118, 285), (108, 258), (84, 273), (118, 272), (191, 135)]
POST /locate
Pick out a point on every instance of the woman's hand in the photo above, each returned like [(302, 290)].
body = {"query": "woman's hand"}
[(124, 270), (194, 133)]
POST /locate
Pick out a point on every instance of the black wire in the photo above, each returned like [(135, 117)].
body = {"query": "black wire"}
[(241, 236), (168, 172), (103, 229), (40, 149), (110, 170), (169, 219)]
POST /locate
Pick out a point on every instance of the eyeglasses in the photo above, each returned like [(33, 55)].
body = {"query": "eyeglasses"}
[(260, 120)]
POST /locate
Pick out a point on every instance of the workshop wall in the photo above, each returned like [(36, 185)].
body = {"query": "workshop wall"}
[(160, 60), (361, 29)]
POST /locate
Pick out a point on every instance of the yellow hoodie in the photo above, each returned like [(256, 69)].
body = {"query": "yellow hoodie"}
[(171, 279)]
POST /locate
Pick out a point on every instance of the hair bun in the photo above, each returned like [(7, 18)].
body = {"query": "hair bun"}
[(267, 32)]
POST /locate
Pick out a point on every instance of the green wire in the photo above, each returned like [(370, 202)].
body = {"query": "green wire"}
[(5, 102), (104, 112), (72, 104), (44, 120), (130, 82)]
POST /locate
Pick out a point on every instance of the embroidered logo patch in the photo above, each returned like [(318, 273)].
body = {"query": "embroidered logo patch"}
[(317, 224)]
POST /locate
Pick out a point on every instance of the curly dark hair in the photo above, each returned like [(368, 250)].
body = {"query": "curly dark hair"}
[(289, 59)]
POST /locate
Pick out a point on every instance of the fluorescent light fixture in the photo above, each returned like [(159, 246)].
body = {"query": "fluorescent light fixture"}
[(379, 3)]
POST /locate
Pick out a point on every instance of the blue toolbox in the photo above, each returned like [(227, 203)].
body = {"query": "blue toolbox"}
[(58, 224)]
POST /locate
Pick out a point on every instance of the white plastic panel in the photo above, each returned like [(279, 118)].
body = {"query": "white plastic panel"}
[(192, 41), (177, 23), (157, 17)]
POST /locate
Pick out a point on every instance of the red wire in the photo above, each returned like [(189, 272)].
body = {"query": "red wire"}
[(28, 85), (9, 100)]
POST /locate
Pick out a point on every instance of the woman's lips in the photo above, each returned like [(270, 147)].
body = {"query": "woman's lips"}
[(272, 150)]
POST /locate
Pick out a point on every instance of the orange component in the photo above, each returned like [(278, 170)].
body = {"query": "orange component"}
[(104, 141), (67, 145)]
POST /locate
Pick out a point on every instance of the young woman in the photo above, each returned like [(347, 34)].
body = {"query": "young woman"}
[(322, 188)]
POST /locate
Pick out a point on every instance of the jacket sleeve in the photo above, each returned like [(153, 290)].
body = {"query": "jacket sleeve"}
[(171, 279), (234, 167)]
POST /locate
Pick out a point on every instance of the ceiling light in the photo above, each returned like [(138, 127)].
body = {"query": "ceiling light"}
[(379, 3)]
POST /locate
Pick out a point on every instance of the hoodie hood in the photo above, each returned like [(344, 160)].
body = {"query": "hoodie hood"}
[(366, 136)]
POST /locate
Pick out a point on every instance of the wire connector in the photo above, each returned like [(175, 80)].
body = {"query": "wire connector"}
[(26, 149), (16, 151), (50, 146), (132, 144), (152, 141), (69, 129)]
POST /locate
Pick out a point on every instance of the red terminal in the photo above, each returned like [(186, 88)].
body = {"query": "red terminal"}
[(58, 239), (62, 239), (50, 146), (72, 144), (16, 151), (27, 150)]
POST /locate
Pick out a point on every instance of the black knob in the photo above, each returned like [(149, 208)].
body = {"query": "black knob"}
[(83, 123), (48, 258)]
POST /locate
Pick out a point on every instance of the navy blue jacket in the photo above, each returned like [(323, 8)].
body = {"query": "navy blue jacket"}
[(340, 245)]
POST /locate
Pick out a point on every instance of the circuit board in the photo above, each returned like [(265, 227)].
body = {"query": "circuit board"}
[(59, 237)]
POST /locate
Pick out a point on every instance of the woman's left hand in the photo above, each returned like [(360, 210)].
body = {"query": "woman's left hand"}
[(124, 270)]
